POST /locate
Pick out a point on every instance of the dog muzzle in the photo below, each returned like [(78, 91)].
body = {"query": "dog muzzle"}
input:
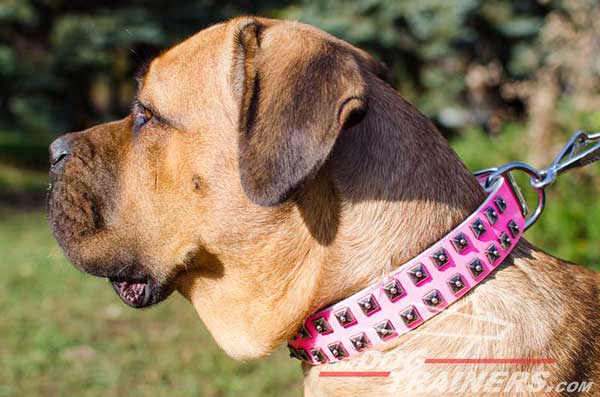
[(442, 274)]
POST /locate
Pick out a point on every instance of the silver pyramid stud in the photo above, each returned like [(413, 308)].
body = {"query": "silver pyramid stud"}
[(513, 228), (318, 355), (393, 290), (368, 304), (385, 330), (460, 242), (504, 240), (440, 258), (500, 204), (337, 350), (344, 317), (456, 283), (302, 355), (433, 298), (321, 325), (304, 333), (478, 228), (418, 274), (292, 351), (360, 341), (492, 253), (491, 215), (476, 268), (409, 315)]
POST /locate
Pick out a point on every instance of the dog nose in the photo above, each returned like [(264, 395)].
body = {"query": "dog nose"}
[(59, 149)]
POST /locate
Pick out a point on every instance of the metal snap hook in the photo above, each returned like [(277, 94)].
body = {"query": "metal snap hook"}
[(579, 151)]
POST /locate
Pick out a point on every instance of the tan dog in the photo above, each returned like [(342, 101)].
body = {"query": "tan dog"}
[(267, 171)]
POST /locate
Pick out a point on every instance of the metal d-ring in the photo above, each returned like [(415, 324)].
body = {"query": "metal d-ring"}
[(534, 176), (582, 149)]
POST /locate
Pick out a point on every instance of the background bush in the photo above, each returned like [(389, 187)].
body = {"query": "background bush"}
[(68, 64)]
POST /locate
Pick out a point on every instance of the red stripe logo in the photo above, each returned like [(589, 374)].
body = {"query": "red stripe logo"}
[(490, 361), (354, 374)]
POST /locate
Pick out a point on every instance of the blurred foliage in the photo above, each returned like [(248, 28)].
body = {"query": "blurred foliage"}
[(474, 62), (432, 45), (569, 227), (65, 65)]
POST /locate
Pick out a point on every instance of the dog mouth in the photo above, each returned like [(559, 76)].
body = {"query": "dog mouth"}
[(134, 293)]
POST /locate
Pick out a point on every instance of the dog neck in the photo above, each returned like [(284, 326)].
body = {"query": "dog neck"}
[(392, 187), (401, 189)]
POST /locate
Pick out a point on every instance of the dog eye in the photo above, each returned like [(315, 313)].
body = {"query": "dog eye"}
[(141, 116)]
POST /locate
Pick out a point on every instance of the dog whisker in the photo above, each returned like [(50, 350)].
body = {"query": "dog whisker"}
[(123, 269)]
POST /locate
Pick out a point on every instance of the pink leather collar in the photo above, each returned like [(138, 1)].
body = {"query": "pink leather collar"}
[(421, 288)]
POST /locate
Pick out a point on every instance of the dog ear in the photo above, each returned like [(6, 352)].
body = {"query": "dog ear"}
[(295, 97)]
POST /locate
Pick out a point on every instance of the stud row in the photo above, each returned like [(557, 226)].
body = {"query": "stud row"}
[(385, 330), (369, 305), (394, 290), (418, 274)]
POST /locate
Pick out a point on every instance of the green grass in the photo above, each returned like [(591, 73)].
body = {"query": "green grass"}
[(64, 333)]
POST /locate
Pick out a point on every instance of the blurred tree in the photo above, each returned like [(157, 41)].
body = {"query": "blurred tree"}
[(67, 64), (447, 57), (563, 74)]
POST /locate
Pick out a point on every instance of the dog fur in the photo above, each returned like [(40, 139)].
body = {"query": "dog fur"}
[(278, 173)]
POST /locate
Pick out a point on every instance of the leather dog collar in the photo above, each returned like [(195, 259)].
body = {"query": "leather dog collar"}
[(447, 270), (421, 288)]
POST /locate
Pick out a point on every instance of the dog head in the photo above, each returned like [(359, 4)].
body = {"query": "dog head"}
[(198, 189)]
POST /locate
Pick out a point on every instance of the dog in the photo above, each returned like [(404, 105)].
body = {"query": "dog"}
[(267, 170)]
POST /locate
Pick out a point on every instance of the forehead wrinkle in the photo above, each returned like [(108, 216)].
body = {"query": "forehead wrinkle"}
[(167, 79), (155, 94), (151, 83), (172, 83)]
